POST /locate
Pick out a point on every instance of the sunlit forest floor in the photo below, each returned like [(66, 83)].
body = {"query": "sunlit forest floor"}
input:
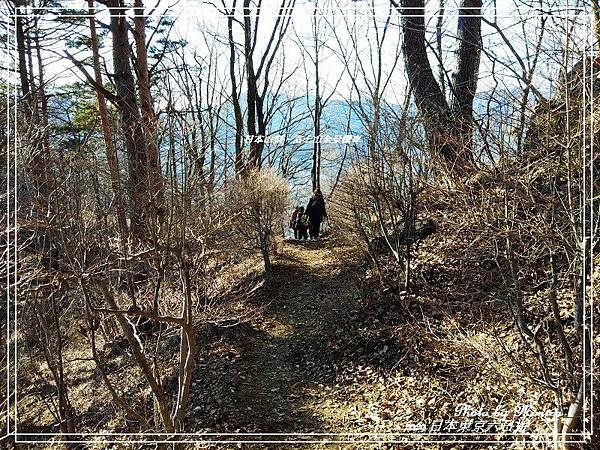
[(326, 356), (330, 353), (278, 373)]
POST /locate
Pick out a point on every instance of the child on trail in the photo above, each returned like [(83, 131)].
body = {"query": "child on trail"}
[(302, 224), (294, 221)]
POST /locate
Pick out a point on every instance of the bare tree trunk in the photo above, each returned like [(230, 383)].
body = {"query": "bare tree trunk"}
[(237, 110), (316, 167), (21, 51), (252, 91), (257, 116), (438, 39), (101, 363), (111, 153), (466, 73), (262, 129), (152, 378), (573, 420), (428, 96), (41, 94), (445, 124), (127, 105), (33, 133), (149, 119), (187, 352)]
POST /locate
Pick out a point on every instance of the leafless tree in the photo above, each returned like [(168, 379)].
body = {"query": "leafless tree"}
[(449, 124)]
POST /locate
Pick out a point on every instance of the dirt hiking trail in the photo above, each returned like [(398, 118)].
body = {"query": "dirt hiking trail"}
[(328, 354), (277, 373)]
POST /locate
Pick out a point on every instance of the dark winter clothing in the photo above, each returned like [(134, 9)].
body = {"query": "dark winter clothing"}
[(316, 211), (303, 225), (314, 230), (302, 233), (294, 221)]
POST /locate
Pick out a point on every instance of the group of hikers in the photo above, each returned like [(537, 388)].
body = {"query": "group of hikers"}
[(307, 221)]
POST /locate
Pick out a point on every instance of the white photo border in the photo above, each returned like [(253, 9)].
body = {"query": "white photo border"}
[(182, 438)]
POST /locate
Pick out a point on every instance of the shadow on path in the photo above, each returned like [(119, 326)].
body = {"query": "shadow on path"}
[(258, 377)]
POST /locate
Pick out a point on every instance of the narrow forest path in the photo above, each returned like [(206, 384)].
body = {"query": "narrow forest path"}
[(329, 353), (295, 355), (279, 369)]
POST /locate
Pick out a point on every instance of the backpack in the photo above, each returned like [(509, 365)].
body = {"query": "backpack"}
[(304, 220)]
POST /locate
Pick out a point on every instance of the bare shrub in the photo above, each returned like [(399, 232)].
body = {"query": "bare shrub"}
[(257, 203), (376, 201)]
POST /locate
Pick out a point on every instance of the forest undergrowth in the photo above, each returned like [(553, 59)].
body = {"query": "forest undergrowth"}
[(320, 346)]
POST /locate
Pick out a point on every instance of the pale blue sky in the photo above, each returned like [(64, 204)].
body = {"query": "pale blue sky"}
[(195, 15), (520, 25)]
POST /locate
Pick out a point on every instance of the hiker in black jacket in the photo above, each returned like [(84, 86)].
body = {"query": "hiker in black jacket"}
[(316, 211)]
